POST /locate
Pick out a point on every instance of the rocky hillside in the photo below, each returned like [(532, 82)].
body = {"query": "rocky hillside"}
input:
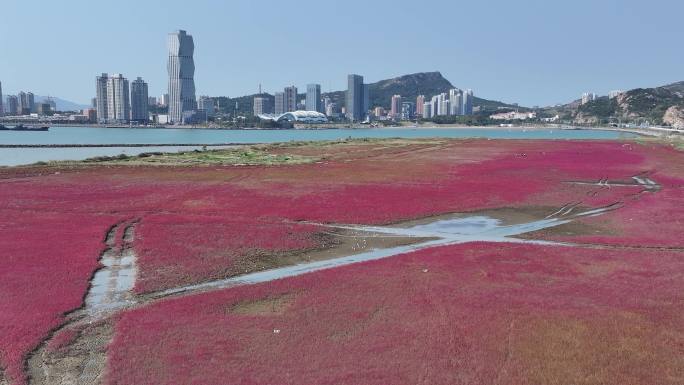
[(674, 117), (652, 104)]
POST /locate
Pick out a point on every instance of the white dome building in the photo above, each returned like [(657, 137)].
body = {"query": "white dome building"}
[(297, 117)]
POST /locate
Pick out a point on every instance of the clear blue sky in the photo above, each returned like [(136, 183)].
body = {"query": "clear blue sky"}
[(535, 52)]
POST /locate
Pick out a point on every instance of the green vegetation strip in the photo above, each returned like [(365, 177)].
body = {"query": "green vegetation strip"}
[(233, 156)]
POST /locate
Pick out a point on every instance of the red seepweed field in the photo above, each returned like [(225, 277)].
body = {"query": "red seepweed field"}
[(603, 308)]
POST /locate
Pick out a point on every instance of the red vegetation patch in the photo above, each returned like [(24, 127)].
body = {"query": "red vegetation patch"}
[(204, 222), (62, 339), (183, 249), (478, 313), (47, 259)]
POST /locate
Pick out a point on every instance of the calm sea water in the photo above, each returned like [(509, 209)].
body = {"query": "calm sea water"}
[(123, 136)]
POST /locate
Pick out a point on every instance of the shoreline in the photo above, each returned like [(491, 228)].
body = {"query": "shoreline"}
[(132, 145)]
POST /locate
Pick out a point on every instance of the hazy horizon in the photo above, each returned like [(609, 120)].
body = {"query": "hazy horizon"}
[(527, 52)]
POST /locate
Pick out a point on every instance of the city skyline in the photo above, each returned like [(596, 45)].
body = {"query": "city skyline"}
[(533, 69)]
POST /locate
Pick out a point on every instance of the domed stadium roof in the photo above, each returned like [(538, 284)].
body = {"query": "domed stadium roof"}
[(297, 116)]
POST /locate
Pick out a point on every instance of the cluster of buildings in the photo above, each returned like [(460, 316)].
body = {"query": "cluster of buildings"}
[(588, 97), (591, 96), (456, 103), (25, 103), (513, 115), (119, 102), (315, 108), (286, 106)]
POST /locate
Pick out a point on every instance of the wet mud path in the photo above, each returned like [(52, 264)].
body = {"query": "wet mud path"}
[(75, 353)]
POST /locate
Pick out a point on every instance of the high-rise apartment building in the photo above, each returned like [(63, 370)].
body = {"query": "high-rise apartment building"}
[(101, 98), (456, 102), (290, 103), (420, 102), (434, 106), (279, 103), (21, 103), (26, 102), (2, 105), (427, 110), (181, 68), (262, 106), (313, 98), (468, 102), (151, 101), (118, 99), (588, 97), (442, 105), (164, 100), (139, 101), (206, 104), (357, 98), (30, 102), (331, 108), (12, 105), (395, 107), (407, 110)]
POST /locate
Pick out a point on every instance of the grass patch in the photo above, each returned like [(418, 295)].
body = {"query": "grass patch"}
[(257, 156)]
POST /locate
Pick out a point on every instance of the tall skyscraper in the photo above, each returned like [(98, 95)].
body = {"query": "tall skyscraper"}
[(181, 68), (101, 98), (357, 98), (290, 99), (395, 110), (139, 101), (313, 98), (420, 103), (118, 99), (468, 102), (456, 102)]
